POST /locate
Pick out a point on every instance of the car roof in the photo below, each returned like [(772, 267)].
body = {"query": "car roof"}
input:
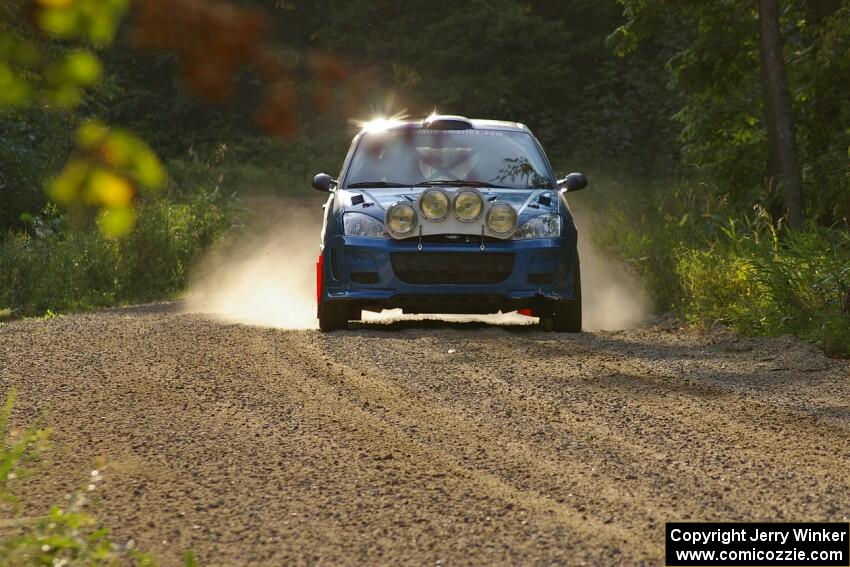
[(455, 122)]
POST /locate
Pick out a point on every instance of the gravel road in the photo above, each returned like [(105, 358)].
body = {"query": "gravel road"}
[(425, 444)]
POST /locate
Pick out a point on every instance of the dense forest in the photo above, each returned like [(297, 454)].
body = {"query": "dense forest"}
[(717, 134)]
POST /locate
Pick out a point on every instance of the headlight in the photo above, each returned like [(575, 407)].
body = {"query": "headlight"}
[(501, 218), (358, 224), (401, 219), (468, 206), (544, 226), (434, 204)]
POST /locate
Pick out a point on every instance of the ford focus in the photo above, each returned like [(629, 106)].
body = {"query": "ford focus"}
[(448, 215)]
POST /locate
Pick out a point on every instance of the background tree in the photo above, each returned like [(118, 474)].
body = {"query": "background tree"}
[(717, 70), (783, 165)]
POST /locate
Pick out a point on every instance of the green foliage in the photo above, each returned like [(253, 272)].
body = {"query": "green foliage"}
[(67, 536), (745, 271), (33, 145), (93, 21), (647, 223), (820, 71), (65, 269), (716, 69), (28, 75), (543, 63), (765, 282), (155, 259), (34, 72), (698, 259), (63, 272), (16, 450)]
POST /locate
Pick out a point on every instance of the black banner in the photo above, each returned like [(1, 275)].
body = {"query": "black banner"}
[(763, 544)]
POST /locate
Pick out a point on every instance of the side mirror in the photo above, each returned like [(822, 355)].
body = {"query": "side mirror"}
[(323, 182), (573, 182)]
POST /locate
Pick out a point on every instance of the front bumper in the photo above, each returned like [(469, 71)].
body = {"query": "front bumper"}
[(360, 271)]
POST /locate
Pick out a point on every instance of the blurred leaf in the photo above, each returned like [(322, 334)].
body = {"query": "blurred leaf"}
[(65, 96), (67, 186), (147, 169), (82, 67), (60, 21), (13, 90), (91, 133), (94, 21), (106, 189), (116, 222)]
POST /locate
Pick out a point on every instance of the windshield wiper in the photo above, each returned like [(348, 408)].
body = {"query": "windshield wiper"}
[(462, 183), (377, 184)]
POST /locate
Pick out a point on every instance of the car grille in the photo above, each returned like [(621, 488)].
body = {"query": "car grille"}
[(452, 267)]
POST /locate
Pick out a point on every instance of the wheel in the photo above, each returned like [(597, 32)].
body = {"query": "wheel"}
[(333, 316), (354, 313), (568, 312)]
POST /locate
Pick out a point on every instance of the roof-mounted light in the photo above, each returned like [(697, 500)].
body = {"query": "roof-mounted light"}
[(447, 122)]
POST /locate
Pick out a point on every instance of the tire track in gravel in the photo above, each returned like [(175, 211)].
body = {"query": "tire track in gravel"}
[(727, 425), (449, 436), (380, 446)]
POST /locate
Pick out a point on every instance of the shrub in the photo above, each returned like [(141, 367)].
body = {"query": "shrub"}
[(764, 281), (59, 272), (700, 260), (71, 269), (155, 258)]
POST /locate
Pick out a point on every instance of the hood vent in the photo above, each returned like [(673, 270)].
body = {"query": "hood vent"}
[(357, 200)]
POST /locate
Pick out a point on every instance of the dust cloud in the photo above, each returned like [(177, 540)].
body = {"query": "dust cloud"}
[(611, 296), (266, 277)]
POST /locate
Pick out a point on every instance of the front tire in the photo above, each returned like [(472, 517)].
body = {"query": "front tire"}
[(568, 312), (333, 316)]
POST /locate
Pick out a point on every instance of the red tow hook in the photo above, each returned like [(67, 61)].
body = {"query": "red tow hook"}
[(319, 264)]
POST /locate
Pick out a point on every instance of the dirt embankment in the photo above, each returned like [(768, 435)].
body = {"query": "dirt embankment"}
[(414, 443)]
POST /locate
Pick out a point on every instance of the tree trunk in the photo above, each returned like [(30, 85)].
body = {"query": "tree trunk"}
[(779, 116)]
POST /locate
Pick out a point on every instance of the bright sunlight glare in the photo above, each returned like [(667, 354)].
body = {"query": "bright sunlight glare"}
[(380, 123)]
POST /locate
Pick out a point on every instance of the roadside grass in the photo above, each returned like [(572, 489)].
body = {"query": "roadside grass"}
[(67, 534), (750, 272), (54, 268), (763, 281), (61, 263)]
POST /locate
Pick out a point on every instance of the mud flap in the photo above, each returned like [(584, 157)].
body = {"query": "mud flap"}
[(319, 266)]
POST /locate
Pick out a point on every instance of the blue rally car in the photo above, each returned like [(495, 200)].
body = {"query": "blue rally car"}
[(448, 215)]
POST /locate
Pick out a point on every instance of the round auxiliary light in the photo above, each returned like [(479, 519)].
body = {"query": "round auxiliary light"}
[(401, 219), (434, 204), (501, 218), (468, 205)]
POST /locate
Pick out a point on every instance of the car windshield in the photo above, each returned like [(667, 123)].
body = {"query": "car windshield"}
[(486, 158)]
